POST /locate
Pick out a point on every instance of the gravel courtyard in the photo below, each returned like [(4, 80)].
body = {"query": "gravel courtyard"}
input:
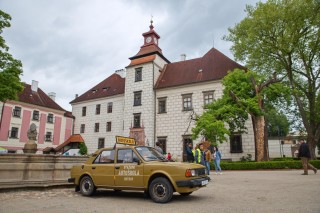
[(233, 191)]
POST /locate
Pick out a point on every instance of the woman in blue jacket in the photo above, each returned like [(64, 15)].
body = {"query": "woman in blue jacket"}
[(216, 160)]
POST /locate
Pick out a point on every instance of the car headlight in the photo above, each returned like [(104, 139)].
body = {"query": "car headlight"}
[(190, 173)]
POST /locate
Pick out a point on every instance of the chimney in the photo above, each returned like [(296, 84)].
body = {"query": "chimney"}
[(34, 86), (52, 95), (76, 96), (121, 72), (183, 57)]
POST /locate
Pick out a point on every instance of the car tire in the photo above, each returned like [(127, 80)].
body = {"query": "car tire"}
[(87, 186), (160, 190), (185, 194)]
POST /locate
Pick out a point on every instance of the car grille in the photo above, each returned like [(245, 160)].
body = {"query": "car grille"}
[(201, 172)]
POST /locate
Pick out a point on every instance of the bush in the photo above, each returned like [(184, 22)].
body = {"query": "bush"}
[(83, 149), (286, 164)]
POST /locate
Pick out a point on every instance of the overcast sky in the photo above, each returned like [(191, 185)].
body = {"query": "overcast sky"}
[(70, 46)]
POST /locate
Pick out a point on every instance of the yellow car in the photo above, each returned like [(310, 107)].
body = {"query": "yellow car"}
[(138, 168)]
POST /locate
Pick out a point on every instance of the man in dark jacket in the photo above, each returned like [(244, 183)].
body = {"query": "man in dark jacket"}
[(190, 157), (304, 154)]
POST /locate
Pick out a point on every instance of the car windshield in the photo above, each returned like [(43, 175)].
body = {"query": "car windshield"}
[(150, 154)]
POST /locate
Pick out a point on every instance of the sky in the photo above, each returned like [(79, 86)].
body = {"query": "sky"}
[(70, 46)]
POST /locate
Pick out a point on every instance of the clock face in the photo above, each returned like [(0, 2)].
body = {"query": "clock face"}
[(148, 39)]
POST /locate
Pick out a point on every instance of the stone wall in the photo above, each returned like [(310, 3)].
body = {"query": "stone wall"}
[(23, 170)]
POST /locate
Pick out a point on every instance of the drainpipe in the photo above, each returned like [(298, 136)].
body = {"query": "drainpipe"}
[(155, 113), (2, 114)]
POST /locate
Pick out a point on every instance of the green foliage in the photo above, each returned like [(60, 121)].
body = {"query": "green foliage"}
[(10, 68), (292, 164), (281, 37), (83, 149), (278, 124), (246, 158)]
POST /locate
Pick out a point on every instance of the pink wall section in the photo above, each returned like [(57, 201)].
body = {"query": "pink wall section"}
[(25, 126), (68, 129), (57, 131), (5, 124), (42, 128)]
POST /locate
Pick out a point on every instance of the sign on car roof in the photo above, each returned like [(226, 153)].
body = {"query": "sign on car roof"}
[(124, 140)]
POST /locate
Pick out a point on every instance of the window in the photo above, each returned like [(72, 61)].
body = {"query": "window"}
[(14, 132), (17, 112), (137, 98), (208, 97), (82, 128), (138, 76), (84, 111), (35, 115), (96, 127), (127, 156), (105, 157), (100, 143), (187, 102), (48, 137), (136, 120), (98, 109), (108, 126), (163, 143), (50, 118), (162, 105), (235, 143), (110, 107)]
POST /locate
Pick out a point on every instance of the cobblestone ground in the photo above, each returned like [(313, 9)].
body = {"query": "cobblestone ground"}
[(236, 191)]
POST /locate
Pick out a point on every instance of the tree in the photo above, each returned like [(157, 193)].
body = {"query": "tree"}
[(83, 149), (277, 122), (243, 94), (283, 36), (10, 68)]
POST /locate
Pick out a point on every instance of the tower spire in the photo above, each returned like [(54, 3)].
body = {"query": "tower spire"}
[(151, 22)]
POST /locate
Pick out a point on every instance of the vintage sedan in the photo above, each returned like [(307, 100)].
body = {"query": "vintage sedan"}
[(138, 168)]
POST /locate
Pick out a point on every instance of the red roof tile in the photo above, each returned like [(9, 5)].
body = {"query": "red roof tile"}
[(37, 98), (142, 60), (113, 85), (212, 66), (76, 138)]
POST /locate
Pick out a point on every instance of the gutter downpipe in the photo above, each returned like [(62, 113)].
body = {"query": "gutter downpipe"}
[(2, 114)]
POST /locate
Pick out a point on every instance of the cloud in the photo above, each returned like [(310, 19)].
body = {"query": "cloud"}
[(70, 46)]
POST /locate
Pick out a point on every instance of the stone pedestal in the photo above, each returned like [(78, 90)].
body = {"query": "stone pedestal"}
[(30, 147)]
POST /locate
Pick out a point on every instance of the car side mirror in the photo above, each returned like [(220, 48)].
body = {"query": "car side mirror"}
[(137, 160)]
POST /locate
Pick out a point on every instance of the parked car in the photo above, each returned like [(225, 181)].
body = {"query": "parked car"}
[(138, 168)]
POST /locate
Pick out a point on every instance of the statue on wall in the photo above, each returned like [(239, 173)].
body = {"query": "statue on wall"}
[(32, 132), (31, 146)]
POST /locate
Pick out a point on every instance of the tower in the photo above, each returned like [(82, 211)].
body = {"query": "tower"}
[(140, 99)]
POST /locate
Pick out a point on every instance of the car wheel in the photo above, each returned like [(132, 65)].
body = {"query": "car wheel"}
[(160, 190), (87, 186), (185, 194)]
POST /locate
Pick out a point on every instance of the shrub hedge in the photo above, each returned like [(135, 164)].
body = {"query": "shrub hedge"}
[(252, 165)]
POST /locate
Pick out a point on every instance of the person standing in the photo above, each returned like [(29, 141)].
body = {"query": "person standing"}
[(197, 154), (203, 155), (158, 148), (216, 160), (304, 154), (208, 160), (190, 157)]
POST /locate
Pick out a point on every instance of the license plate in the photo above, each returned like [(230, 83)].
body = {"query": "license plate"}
[(204, 182)]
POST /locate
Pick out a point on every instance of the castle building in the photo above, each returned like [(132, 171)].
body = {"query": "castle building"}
[(54, 124), (153, 100)]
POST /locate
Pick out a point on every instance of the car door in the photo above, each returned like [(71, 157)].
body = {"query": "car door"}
[(102, 169), (128, 169)]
